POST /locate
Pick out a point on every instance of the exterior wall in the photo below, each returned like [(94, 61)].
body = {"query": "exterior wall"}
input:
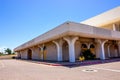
[(51, 51), (92, 32), (113, 51), (23, 54), (110, 26), (106, 51), (65, 51), (104, 18), (18, 54), (36, 53), (77, 49), (116, 53)]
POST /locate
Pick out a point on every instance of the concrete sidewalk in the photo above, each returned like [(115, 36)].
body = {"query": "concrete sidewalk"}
[(77, 63)]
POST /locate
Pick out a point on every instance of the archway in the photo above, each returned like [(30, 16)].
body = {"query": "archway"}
[(89, 54), (107, 50), (116, 51), (19, 55), (92, 49), (65, 51), (83, 47), (29, 54)]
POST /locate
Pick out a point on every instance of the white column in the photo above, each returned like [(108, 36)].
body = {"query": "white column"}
[(59, 49), (109, 50), (88, 45), (71, 43), (101, 49)]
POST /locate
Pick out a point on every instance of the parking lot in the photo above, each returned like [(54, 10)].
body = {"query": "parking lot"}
[(11, 69)]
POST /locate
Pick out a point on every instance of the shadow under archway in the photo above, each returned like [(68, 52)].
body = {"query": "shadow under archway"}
[(29, 54), (65, 51)]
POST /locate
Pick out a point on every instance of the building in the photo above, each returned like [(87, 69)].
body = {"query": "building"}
[(100, 34)]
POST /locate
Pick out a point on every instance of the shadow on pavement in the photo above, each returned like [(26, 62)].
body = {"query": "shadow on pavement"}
[(75, 64)]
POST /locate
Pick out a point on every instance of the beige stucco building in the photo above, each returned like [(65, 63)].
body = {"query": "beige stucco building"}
[(100, 34)]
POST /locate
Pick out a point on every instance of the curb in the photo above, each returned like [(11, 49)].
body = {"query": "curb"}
[(76, 64)]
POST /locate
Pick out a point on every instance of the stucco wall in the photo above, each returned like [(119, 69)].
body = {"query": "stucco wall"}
[(23, 54), (110, 27), (36, 53), (113, 51), (18, 54), (106, 51), (77, 49), (51, 51), (104, 18), (65, 51)]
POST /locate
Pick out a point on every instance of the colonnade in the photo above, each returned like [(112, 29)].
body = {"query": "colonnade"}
[(100, 43)]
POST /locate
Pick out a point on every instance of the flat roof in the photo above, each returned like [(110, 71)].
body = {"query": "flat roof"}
[(105, 18), (71, 29)]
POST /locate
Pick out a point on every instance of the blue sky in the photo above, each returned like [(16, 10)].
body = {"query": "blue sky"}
[(22, 20)]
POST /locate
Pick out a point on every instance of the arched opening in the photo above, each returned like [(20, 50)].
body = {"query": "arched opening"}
[(19, 55), (29, 54), (83, 47), (89, 54), (92, 48), (116, 51), (65, 51), (112, 51)]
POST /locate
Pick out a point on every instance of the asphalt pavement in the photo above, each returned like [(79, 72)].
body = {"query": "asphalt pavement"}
[(12, 69)]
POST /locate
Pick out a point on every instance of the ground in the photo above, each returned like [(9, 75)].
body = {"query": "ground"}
[(12, 69), (5, 56)]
